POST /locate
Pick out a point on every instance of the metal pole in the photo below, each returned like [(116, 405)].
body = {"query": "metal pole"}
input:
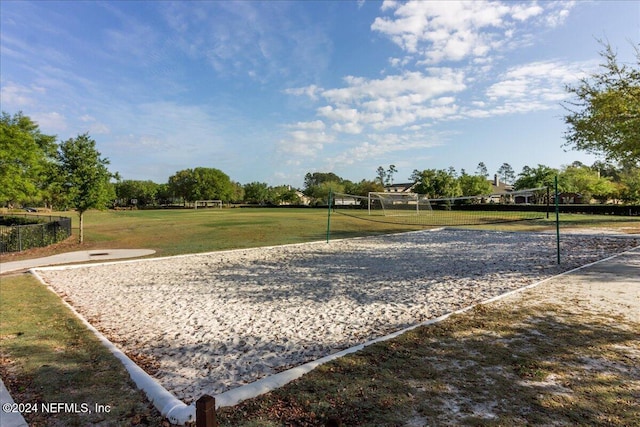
[(557, 219), (329, 215)]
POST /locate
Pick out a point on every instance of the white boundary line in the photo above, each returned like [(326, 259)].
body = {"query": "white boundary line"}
[(178, 412)]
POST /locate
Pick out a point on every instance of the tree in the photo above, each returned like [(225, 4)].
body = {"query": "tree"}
[(629, 183), (482, 170), (605, 117), (84, 176), (436, 183), (237, 192), (284, 194), (318, 184), (317, 178), (26, 156), (363, 188), (381, 175), (390, 172), (474, 185), (164, 195), (506, 173), (256, 192), (202, 184), (181, 184), (578, 178), (321, 192), (385, 177), (140, 193), (212, 184), (538, 177)]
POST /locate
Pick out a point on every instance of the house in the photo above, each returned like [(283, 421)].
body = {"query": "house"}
[(498, 186), (400, 188), (498, 190), (304, 200), (524, 198)]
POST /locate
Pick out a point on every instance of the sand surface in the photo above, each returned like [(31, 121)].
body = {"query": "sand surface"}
[(211, 322)]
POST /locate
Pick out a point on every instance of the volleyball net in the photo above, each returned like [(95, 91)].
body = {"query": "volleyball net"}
[(420, 210)]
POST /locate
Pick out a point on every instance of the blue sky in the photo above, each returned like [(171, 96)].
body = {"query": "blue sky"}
[(268, 91)]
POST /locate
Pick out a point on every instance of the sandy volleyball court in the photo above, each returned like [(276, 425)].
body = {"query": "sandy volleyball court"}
[(211, 322)]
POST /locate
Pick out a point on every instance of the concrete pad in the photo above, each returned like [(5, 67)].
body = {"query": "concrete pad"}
[(610, 287), (74, 257)]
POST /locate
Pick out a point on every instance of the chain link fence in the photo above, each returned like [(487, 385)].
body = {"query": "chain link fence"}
[(22, 232)]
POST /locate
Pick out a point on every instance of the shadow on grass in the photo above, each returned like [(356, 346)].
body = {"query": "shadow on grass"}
[(77, 388), (498, 367)]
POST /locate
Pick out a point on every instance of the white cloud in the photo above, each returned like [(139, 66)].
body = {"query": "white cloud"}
[(314, 125), (456, 30), (383, 145), (305, 139), (311, 91), (303, 144), (524, 12), (529, 87), (396, 100), (545, 80), (559, 11), (352, 128), (99, 128), (15, 96), (409, 100), (443, 30), (50, 122), (339, 114), (415, 84)]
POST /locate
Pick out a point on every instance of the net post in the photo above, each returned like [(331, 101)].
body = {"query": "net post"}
[(329, 215), (206, 412), (557, 219)]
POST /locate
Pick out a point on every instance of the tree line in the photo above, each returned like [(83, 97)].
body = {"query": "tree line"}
[(601, 182)]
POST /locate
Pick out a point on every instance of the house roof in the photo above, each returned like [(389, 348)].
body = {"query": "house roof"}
[(501, 187), (399, 188)]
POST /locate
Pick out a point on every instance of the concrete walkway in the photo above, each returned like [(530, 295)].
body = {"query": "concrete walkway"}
[(9, 418), (74, 257)]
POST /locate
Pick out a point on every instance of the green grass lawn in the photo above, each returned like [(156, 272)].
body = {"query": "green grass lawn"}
[(47, 354), (182, 231)]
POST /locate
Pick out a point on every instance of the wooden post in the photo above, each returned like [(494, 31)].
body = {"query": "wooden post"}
[(206, 412)]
